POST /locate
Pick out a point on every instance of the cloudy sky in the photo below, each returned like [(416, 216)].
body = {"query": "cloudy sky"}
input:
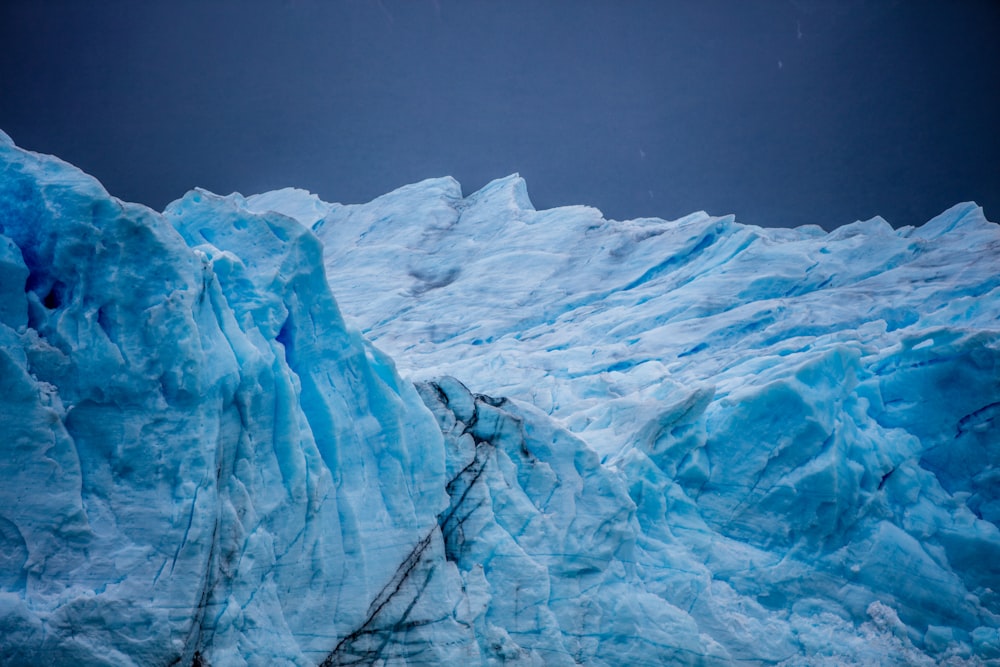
[(783, 112)]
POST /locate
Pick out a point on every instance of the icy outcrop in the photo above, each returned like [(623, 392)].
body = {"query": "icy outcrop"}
[(698, 442), (201, 465), (826, 404), (547, 544)]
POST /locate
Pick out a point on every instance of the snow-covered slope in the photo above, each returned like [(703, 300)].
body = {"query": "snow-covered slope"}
[(644, 442)]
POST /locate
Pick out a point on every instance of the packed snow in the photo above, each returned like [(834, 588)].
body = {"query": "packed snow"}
[(533, 437)]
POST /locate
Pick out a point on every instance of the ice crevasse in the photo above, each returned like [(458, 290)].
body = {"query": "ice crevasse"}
[(539, 438)]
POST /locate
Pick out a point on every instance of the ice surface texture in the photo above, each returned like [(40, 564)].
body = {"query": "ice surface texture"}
[(697, 442), (198, 458)]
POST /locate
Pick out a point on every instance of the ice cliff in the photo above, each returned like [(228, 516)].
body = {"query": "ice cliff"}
[(608, 443)]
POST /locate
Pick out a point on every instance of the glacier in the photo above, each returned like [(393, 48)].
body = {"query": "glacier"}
[(443, 429)]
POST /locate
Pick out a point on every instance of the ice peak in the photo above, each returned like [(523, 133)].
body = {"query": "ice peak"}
[(509, 192)]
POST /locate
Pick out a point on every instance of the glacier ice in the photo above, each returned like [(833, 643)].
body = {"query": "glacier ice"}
[(574, 440), (199, 458)]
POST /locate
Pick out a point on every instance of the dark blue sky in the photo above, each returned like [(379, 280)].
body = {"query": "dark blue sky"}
[(784, 112)]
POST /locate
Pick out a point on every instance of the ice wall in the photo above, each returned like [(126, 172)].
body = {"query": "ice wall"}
[(648, 442), (812, 416), (201, 464)]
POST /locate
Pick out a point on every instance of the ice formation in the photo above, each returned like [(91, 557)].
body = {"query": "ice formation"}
[(607, 443)]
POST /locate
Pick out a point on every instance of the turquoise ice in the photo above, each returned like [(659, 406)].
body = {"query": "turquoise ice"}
[(533, 437)]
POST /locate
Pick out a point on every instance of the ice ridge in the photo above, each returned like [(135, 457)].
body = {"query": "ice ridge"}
[(695, 442)]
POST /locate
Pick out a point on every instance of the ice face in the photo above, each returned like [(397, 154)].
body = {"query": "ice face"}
[(199, 459), (698, 442), (793, 409)]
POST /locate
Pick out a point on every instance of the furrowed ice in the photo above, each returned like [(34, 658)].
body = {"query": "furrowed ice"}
[(607, 443)]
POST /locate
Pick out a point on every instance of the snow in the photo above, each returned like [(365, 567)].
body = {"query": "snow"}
[(574, 440)]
